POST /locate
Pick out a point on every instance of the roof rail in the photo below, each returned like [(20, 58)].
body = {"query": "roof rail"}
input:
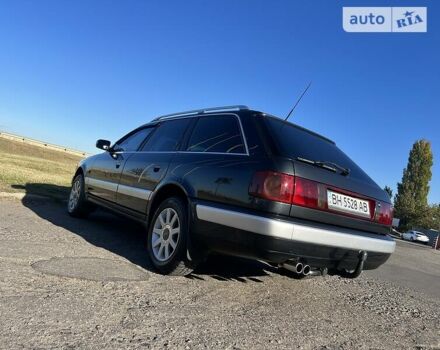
[(202, 111)]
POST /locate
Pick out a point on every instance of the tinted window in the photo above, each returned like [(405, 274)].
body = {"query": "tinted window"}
[(132, 142), (216, 134), (294, 141), (167, 136)]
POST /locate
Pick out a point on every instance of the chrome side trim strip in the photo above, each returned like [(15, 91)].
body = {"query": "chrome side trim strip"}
[(134, 192), (106, 185), (114, 187), (243, 136), (341, 238)]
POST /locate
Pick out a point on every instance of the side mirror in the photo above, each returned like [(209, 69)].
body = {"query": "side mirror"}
[(103, 144)]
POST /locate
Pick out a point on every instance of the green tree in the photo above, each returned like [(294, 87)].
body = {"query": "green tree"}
[(388, 190), (434, 217), (411, 203)]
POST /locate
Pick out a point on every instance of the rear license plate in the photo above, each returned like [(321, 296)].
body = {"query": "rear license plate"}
[(348, 204)]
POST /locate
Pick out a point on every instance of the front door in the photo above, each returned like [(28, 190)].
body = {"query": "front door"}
[(103, 177)]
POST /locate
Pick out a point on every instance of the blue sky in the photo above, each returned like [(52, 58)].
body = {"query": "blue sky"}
[(75, 71)]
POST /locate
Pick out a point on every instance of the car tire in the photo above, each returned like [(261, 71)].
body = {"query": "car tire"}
[(167, 238), (411, 239), (77, 205)]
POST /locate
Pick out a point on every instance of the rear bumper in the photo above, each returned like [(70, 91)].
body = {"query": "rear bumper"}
[(277, 240)]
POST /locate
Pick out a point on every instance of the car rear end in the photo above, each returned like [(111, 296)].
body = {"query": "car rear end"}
[(339, 217)]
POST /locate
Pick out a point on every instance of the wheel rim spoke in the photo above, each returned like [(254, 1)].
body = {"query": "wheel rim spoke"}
[(167, 251), (159, 253), (156, 242), (162, 223), (173, 220), (173, 244)]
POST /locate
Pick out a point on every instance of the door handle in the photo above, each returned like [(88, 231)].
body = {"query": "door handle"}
[(156, 168)]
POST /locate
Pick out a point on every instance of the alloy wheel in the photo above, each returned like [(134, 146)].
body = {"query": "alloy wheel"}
[(75, 193), (166, 234)]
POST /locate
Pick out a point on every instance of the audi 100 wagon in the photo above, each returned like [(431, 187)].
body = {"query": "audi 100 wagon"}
[(241, 182)]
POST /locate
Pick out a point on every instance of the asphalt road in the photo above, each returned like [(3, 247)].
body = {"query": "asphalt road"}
[(87, 284), (412, 265)]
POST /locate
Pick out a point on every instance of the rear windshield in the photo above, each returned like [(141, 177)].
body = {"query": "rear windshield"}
[(294, 142)]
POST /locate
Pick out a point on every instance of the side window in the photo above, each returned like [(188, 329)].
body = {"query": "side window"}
[(132, 142), (219, 134), (167, 136)]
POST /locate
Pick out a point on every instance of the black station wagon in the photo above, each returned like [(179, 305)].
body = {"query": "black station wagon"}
[(241, 182)]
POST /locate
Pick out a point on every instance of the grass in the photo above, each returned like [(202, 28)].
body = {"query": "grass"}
[(35, 170)]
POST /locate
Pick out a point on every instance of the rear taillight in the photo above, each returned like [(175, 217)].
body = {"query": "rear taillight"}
[(272, 186), (384, 214), (306, 193)]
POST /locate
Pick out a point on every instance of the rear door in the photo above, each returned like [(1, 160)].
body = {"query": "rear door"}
[(215, 160), (103, 176), (146, 167)]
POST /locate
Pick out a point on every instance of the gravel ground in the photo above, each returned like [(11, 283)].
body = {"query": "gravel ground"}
[(67, 283)]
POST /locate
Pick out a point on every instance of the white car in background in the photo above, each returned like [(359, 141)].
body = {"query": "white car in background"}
[(415, 236)]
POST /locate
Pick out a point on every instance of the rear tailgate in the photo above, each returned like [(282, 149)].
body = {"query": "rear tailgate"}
[(336, 193), (350, 200)]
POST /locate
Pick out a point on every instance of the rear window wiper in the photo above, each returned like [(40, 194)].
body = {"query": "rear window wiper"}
[(326, 165)]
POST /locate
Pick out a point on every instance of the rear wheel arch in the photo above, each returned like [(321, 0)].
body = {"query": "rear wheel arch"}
[(165, 191)]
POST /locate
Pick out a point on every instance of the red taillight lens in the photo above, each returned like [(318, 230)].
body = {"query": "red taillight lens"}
[(384, 214), (272, 186), (306, 193)]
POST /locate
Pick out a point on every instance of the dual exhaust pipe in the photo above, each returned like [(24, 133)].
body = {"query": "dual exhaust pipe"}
[(303, 269), (298, 268)]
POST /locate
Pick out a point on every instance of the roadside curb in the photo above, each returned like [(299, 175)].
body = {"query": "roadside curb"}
[(16, 195), (22, 195)]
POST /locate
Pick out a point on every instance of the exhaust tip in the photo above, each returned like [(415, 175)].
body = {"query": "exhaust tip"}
[(295, 267), (306, 270), (299, 268)]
